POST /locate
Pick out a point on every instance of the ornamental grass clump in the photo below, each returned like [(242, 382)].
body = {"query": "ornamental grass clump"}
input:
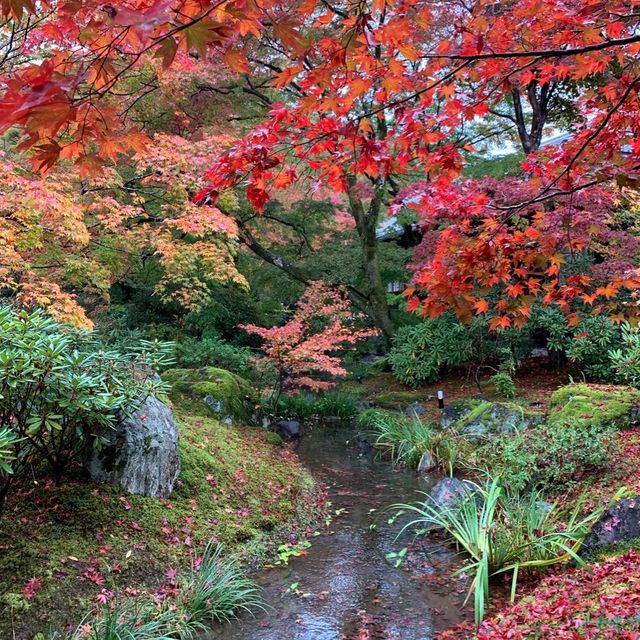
[(218, 590), (503, 533), (405, 440)]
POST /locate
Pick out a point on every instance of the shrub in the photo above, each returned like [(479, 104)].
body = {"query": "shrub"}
[(504, 384), (59, 390), (625, 360), (503, 532), (591, 345), (214, 352), (218, 590), (550, 456), (420, 351)]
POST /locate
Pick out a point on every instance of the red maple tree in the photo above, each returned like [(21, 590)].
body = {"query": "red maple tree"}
[(380, 92), (305, 351)]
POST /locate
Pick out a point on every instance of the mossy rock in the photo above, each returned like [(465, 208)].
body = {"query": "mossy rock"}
[(397, 399), (484, 419), (607, 405), (223, 393)]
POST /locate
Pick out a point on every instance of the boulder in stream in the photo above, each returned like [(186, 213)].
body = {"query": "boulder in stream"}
[(287, 429), (427, 463), (141, 454), (449, 492)]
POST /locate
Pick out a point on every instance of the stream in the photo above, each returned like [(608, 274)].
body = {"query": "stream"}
[(347, 589)]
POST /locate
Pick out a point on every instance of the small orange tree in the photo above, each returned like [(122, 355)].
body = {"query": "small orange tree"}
[(309, 345)]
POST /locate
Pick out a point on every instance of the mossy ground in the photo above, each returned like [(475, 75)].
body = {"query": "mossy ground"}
[(80, 538), (594, 404)]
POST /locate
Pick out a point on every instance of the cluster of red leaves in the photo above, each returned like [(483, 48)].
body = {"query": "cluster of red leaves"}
[(470, 251), (600, 601), (309, 343)]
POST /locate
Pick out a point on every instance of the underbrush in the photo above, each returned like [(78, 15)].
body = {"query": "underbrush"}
[(334, 403)]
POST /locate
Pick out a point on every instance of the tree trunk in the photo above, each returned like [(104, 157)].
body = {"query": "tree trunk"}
[(539, 98), (373, 302), (366, 225)]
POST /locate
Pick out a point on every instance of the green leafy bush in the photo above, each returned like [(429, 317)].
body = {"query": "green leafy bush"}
[(551, 456), (625, 360), (503, 532), (214, 352), (420, 351), (591, 345), (59, 390), (504, 384)]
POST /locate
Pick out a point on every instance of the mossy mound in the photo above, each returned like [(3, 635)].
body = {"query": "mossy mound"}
[(80, 538), (220, 391), (397, 399), (595, 404)]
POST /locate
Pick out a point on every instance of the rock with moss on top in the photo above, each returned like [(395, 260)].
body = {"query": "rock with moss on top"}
[(483, 419), (219, 392), (605, 405)]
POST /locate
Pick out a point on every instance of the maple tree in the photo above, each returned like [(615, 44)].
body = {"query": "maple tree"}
[(365, 98), (308, 345)]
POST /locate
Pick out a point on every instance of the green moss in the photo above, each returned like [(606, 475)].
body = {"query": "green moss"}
[(594, 404), (275, 439), (234, 487), (236, 395), (397, 399)]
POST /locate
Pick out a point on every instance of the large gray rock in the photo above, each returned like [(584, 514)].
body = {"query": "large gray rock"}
[(142, 452), (414, 409), (287, 429), (449, 492), (621, 523)]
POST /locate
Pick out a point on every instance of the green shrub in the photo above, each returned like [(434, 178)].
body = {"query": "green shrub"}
[(275, 440), (218, 590), (625, 360), (420, 351), (59, 390), (591, 345), (214, 352), (552, 456), (503, 532), (504, 384)]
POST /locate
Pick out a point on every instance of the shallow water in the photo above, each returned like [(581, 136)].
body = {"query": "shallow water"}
[(351, 590)]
